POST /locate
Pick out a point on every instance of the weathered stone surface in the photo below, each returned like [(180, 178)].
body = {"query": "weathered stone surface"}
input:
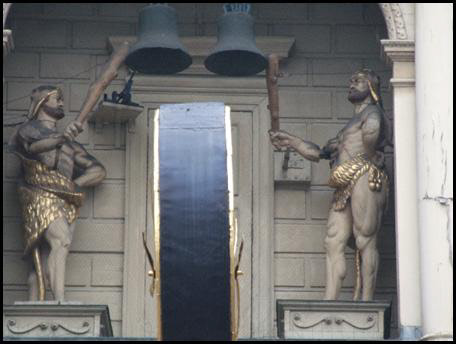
[(98, 236), (294, 238), (22, 65), (93, 35), (109, 201), (62, 66), (289, 272), (290, 203), (107, 270), (334, 71), (69, 9), (52, 34), (303, 103), (321, 203), (356, 40), (336, 13)]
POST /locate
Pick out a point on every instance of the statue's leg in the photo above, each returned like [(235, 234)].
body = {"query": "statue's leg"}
[(339, 230), (367, 208), (32, 282), (59, 236)]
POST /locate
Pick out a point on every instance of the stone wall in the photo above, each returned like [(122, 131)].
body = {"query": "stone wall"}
[(62, 43)]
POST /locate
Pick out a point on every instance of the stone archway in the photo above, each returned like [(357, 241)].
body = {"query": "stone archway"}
[(399, 19)]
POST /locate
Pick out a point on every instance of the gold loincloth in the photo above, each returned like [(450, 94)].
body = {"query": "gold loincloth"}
[(344, 177), (45, 196)]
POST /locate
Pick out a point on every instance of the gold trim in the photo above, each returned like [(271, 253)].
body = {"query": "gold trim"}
[(39, 273), (374, 95), (35, 109), (233, 235), (344, 177), (157, 222)]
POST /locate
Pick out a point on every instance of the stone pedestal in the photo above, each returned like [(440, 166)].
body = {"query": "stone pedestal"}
[(315, 319), (54, 319)]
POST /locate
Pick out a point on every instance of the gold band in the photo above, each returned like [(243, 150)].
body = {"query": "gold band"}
[(33, 113), (374, 95), (39, 274), (344, 177)]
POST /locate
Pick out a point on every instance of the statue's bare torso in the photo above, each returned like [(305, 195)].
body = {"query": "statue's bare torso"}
[(351, 140)]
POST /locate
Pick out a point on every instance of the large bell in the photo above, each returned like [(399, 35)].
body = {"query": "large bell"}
[(236, 53), (158, 50)]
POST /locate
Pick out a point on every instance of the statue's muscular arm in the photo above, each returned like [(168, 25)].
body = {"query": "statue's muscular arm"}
[(307, 149), (46, 144), (93, 171), (36, 140)]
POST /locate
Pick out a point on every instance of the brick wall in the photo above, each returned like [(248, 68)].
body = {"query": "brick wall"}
[(59, 43)]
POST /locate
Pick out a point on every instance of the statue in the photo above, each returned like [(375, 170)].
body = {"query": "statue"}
[(360, 182), (54, 167)]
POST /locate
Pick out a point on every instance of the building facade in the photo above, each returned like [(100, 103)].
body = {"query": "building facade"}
[(283, 225)]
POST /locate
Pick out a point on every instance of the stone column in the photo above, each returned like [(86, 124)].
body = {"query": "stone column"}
[(401, 54), (434, 101)]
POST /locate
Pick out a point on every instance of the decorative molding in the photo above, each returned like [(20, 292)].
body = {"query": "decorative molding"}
[(402, 82), (399, 50), (370, 319), (85, 328), (394, 18), (323, 319), (198, 46), (53, 319)]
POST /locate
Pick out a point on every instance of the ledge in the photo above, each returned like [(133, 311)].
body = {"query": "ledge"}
[(198, 46), (108, 112), (399, 50), (402, 82)]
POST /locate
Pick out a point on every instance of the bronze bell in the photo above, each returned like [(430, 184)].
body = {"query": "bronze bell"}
[(158, 50), (236, 53)]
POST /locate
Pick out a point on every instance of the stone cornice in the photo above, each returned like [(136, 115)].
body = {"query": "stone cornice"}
[(399, 50), (201, 45), (402, 82)]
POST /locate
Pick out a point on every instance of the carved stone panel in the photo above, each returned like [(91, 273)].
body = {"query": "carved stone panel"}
[(53, 319), (333, 319)]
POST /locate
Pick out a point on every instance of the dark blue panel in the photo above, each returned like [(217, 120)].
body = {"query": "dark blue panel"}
[(194, 223)]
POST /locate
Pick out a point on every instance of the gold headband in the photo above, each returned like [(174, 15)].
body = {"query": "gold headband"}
[(33, 112), (374, 95)]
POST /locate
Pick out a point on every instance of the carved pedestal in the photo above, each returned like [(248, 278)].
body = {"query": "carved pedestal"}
[(333, 319), (53, 319)]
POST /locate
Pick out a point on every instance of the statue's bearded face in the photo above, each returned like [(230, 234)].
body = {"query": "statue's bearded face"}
[(54, 106), (359, 88)]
